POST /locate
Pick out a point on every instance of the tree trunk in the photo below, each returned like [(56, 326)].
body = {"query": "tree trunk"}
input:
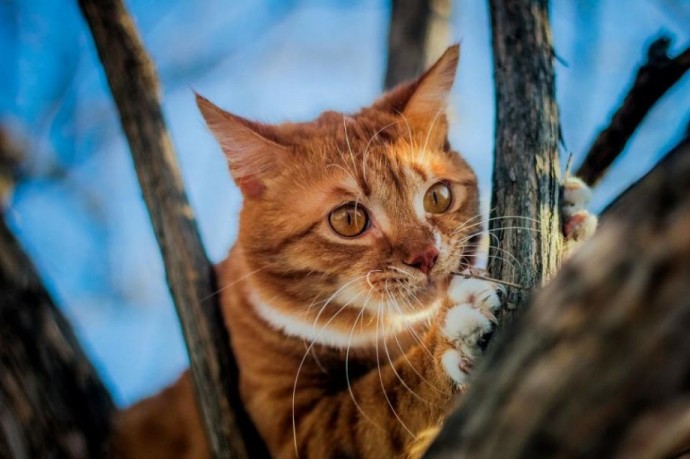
[(599, 366), (52, 403), (191, 277), (525, 228)]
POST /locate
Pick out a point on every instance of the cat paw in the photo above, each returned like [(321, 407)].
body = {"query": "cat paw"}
[(578, 223), (468, 324)]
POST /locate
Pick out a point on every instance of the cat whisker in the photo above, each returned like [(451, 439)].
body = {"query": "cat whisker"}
[(385, 346), (366, 149), (349, 147), (343, 169), (383, 387), (424, 347), (419, 340), (488, 220), (323, 308), (230, 284), (497, 248), (347, 364), (409, 129), (401, 271), (441, 110), (301, 364), (402, 351)]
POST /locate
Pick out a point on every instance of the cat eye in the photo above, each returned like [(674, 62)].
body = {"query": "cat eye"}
[(349, 220), (437, 198)]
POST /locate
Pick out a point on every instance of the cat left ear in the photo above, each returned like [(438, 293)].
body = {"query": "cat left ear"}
[(252, 149), (426, 107)]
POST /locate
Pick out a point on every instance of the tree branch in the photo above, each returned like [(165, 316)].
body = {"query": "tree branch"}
[(190, 276), (52, 402), (653, 79), (598, 365), (409, 26), (525, 227)]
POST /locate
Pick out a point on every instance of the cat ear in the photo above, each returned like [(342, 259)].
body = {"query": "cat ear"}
[(252, 149), (422, 102), (430, 97)]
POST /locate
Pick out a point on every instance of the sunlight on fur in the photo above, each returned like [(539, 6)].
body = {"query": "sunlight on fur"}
[(352, 335)]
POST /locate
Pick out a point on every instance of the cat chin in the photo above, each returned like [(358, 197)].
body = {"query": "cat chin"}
[(330, 334)]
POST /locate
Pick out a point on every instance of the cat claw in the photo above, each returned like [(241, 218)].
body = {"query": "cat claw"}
[(578, 223)]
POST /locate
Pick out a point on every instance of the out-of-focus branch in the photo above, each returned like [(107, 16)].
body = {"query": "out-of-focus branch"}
[(417, 36), (190, 275), (653, 79), (52, 402), (598, 365)]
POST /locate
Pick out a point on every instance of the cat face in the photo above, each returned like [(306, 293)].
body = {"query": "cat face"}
[(364, 213)]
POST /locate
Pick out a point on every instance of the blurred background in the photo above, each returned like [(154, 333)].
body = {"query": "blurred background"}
[(77, 207)]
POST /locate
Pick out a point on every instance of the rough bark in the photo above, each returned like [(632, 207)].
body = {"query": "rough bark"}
[(599, 365), (52, 402), (653, 79), (525, 222), (190, 276), (409, 26)]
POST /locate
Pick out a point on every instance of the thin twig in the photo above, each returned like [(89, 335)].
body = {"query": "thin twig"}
[(468, 275)]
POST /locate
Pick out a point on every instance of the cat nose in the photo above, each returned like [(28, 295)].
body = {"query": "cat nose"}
[(424, 259)]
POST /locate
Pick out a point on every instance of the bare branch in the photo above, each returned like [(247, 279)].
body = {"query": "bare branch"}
[(190, 276), (410, 22), (658, 74), (52, 402)]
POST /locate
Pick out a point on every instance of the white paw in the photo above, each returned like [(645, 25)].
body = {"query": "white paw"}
[(578, 223), (480, 293), (465, 326), (453, 364), (576, 196)]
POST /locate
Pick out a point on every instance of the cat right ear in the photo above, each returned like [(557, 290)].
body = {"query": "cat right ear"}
[(252, 149)]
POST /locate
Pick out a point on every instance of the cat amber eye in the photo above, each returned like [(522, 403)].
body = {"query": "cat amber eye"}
[(437, 198), (349, 220)]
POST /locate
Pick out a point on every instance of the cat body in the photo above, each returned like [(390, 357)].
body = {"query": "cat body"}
[(352, 335)]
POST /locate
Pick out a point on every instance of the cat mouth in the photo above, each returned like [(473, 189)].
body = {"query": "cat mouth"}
[(416, 290)]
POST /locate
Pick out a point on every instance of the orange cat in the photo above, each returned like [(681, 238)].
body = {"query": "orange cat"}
[(352, 336)]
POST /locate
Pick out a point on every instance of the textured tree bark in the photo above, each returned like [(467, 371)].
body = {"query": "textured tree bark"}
[(52, 402), (653, 79), (190, 276), (599, 365), (525, 230)]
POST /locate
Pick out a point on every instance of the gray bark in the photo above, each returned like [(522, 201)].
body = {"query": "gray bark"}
[(525, 221)]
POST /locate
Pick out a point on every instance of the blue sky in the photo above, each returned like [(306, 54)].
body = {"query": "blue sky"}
[(79, 211)]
